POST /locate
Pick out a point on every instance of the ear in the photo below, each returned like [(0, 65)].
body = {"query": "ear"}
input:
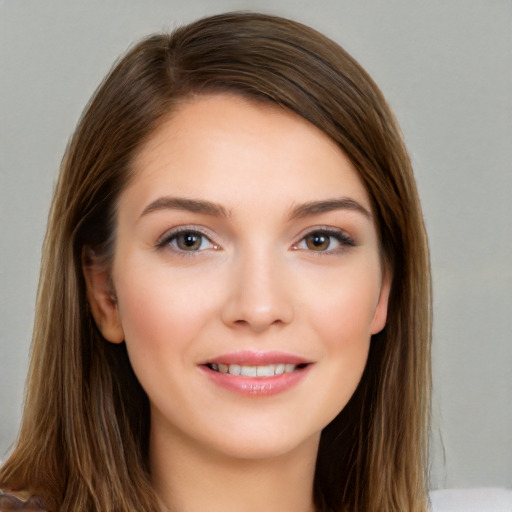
[(101, 296), (380, 313)]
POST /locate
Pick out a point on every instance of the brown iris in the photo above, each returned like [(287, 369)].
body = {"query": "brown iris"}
[(189, 241), (318, 241)]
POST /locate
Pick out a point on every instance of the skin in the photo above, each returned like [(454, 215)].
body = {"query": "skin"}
[(256, 282)]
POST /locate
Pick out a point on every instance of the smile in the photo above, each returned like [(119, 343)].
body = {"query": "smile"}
[(255, 374), (268, 370)]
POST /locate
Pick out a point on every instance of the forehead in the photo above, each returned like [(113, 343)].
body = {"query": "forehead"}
[(231, 150)]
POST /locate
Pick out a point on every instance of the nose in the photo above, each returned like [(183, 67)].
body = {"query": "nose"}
[(259, 294)]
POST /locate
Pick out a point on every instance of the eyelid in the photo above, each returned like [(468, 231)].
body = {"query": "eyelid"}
[(344, 239), (164, 239)]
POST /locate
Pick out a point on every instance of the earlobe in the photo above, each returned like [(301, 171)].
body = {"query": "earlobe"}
[(380, 313), (101, 296)]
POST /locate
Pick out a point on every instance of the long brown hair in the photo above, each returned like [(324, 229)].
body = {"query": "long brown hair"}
[(84, 435)]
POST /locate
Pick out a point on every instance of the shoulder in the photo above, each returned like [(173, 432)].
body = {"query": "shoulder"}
[(9, 502)]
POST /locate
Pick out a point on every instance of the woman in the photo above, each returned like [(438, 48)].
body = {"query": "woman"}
[(234, 304)]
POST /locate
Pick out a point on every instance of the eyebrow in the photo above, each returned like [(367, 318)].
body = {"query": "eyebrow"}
[(190, 205), (300, 211), (318, 207)]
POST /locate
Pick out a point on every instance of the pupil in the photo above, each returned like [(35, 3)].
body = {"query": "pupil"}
[(189, 241), (318, 241)]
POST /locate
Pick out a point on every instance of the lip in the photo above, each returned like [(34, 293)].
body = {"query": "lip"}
[(257, 386), (256, 358)]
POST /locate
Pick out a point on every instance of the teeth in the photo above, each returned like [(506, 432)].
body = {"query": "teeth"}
[(248, 371), (265, 371), (279, 369), (234, 369), (268, 370)]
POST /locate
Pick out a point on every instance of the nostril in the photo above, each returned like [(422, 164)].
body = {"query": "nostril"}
[(258, 323), (256, 306)]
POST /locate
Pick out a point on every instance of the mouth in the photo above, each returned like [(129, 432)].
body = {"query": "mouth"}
[(268, 370), (254, 373)]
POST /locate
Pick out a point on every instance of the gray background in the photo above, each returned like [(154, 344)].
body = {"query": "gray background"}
[(446, 69)]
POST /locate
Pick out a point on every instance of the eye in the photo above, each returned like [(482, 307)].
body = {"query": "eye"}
[(186, 240), (318, 241), (325, 240)]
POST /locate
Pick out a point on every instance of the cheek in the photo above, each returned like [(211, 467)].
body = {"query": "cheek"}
[(341, 307), (344, 327), (161, 313), (341, 318)]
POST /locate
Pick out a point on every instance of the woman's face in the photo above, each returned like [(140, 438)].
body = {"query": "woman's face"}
[(247, 278)]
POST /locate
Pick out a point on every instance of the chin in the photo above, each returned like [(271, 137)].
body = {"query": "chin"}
[(265, 447)]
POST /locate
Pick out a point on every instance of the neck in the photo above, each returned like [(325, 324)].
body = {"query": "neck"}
[(188, 479)]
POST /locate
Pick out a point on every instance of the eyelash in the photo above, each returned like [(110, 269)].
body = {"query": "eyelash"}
[(342, 238), (171, 236), (167, 239)]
